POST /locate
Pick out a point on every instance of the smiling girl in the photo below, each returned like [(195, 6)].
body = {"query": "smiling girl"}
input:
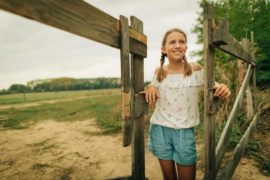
[(175, 91)]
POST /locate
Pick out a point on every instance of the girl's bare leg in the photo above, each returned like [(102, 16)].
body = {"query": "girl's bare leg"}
[(186, 172), (168, 169)]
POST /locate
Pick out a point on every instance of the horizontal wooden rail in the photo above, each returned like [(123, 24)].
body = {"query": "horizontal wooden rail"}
[(227, 43), (225, 136), (77, 17), (231, 164)]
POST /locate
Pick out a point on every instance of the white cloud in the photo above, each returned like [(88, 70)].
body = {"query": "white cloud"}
[(30, 50)]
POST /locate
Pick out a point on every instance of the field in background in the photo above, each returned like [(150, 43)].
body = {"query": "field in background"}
[(103, 105), (35, 97)]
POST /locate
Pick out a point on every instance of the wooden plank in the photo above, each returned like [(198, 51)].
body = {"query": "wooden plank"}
[(138, 154), (254, 72), (140, 105), (138, 42), (220, 34), (231, 164), (125, 82), (227, 43), (241, 71), (254, 88), (77, 17), (234, 48), (249, 110), (252, 47), (209, 79), (225, 136)]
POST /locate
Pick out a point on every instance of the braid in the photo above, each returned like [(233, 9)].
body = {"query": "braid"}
[(185, 59), (187, 67), (162, 73)]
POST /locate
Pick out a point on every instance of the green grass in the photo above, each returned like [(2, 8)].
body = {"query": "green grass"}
[(105, 109), (44, 96)]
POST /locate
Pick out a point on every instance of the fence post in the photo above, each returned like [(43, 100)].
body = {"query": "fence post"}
[(138, 155), (254, 73), (249, 110), (125, 81), (241, 72), (209, 79)]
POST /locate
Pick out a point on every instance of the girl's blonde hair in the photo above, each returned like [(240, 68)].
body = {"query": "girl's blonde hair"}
[(162, 74)]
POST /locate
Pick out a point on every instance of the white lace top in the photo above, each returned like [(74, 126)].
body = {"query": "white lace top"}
[(178, 106)]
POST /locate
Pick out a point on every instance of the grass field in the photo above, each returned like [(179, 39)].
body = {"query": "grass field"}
[(104, 105), (44, 96)]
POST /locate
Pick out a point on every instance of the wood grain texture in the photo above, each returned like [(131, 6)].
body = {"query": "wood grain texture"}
[(77, 17), (140, 105), (208, 11), (209, 79), (227, 43), (241, 67), (254, 72), (249, 109), (138, 153), (125, 82), (231, 164), (225, 136), (221, 32)]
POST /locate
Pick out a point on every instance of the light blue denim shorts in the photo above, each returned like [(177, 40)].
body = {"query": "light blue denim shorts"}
[(173, 144)]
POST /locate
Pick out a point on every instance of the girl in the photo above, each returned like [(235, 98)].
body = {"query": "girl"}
[(175, 91)]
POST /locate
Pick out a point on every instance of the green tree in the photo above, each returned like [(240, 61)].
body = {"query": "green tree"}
[(18, 88), (65, 83), (243, 16)]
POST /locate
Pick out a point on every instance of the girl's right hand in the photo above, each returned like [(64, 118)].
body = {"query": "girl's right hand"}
[(151, 94)]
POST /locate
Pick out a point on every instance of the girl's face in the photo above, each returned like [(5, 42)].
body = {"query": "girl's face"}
[(175, 46)]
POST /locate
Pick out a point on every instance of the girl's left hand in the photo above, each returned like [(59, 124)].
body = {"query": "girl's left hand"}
[(222, 91)]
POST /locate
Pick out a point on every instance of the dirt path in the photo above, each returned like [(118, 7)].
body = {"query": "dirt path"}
[(78, 150)]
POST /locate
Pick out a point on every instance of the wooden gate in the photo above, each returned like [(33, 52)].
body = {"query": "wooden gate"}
[(217, 36), (83, 19)]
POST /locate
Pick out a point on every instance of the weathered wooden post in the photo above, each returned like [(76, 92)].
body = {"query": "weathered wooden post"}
[(249, 109), (254, 72), (219, 37), (241, 72), (247, 105), (125, 81), (138, 154), (209, 79)]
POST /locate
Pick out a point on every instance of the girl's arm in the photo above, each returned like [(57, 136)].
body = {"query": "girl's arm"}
[(151, 92)]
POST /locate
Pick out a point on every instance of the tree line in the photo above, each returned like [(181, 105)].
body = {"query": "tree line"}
[(64, 84)]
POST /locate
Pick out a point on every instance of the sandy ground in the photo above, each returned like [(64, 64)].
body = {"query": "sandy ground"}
[(78, 150)]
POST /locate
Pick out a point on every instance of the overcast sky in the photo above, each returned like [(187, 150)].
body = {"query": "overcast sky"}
[(30, 50)]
